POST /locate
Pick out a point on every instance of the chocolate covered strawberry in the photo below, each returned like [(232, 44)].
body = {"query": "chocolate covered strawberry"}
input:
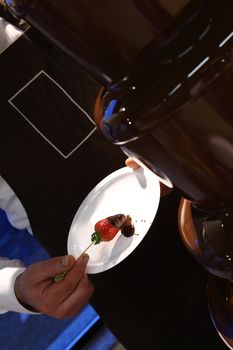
[(128, 228), (107, 229)]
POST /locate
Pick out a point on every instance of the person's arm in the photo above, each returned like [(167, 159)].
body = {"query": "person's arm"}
[(9, 271), (13, 208), (37, 289), (34, 289)]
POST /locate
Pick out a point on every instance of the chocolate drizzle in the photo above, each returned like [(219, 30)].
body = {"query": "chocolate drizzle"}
[(124, 222)]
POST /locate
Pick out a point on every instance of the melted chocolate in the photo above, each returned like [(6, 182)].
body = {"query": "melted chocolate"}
[(128, 230), (117, 220)]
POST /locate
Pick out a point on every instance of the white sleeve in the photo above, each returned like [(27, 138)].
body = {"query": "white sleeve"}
[(9, 270), (13, 208)]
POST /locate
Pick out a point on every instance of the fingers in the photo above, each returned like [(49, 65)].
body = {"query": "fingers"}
[(66, 298), (57, 299), (76, 300), (131, 163), (48, 269), (65, 288)]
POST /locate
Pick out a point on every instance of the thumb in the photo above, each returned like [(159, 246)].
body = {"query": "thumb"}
[(83, 260), (47, 269)]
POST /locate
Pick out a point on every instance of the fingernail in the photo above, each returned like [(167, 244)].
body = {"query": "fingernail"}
[(85, 258), (65, 261)]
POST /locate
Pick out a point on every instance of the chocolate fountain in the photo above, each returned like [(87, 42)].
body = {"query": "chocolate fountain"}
[(166, 68)]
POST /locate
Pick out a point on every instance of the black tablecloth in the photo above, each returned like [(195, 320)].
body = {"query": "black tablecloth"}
[(52, 156), (51, 153)]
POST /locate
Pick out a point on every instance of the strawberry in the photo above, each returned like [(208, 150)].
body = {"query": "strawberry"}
[(107, 229)]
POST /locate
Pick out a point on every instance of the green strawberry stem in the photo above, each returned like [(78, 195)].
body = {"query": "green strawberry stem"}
[(60, 277), (96, 238)]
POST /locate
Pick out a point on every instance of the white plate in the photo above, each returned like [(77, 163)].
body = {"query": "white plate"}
[(125, 191)]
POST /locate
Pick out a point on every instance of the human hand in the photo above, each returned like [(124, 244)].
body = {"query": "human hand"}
[(164, 190), (36, 289)]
